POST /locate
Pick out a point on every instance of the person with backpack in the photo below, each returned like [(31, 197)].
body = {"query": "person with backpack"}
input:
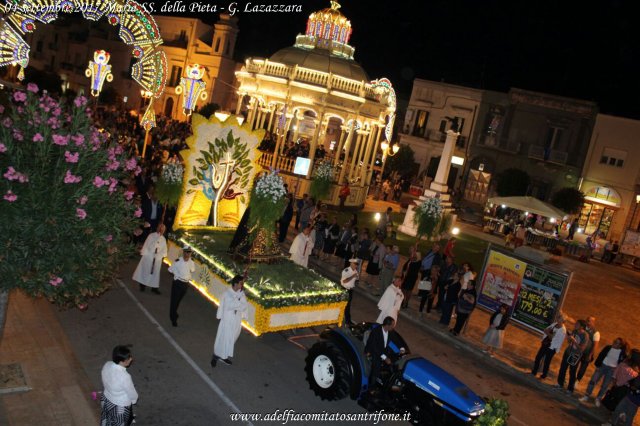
[(578, 343), (587, 356), (626, 410)]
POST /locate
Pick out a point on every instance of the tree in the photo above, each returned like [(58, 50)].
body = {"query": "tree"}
[(64, 219), (569, 200), (513, 182), (208, 110), (403, 162)]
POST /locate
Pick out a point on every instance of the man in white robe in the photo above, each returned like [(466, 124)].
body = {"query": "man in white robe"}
[(232, 310), (301, 247), (153, 251), (391, 301)]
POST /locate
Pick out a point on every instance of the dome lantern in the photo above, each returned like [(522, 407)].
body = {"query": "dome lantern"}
[(328, 29)]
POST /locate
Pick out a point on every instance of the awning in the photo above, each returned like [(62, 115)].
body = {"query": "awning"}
[(529, 204)]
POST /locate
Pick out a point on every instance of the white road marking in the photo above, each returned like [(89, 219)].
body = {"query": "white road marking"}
[(223, 396), (517, 420)]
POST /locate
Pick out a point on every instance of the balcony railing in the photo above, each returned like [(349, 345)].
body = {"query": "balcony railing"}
[(553, 156), (558, 157), (536, 152), (319, 78), (286, 165)]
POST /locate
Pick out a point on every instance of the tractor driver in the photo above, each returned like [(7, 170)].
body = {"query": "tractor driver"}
[(379, 350)]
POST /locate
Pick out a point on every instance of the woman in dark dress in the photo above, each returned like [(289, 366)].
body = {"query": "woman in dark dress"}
[(351, 247), (343, 240), (332, 235), (320, 226), (286, 218), (373, 267), (410, 272)]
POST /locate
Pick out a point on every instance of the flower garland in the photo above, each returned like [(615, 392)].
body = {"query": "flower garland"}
[(322, 178)]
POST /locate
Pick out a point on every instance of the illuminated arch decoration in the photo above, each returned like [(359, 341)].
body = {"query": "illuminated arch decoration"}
[(220, 166), (192, 88), (383, 86), (99, 70), (137, 29)]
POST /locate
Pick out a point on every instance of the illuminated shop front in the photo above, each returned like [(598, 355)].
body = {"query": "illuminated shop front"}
[(598, 211)]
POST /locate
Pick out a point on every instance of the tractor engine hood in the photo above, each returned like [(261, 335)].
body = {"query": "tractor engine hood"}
[(451, 392)]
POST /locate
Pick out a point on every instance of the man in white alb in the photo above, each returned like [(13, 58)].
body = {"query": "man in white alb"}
[(301, 247), (391, 301), (153, 251), (232, 310)]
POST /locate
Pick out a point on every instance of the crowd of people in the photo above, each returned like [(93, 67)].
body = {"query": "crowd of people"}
[(443, 285), (450, 289)]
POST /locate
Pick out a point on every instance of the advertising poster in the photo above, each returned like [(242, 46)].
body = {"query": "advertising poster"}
[(539, 298), (533, 292), (501, 280), (631, 244)]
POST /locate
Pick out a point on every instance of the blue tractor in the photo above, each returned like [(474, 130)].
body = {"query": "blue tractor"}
[(337, 367)]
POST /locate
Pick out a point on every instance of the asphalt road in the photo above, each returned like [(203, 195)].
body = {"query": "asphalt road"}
[(177, 386)]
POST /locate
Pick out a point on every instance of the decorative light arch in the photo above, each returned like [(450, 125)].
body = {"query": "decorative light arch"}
[(137, 29)]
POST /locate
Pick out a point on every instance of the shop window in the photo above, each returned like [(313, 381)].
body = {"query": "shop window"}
[(595, 217)]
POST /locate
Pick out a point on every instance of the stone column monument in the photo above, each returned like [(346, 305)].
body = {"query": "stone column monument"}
[(438, 187)]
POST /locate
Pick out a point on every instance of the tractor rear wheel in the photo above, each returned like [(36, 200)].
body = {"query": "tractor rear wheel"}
[(328, 371)]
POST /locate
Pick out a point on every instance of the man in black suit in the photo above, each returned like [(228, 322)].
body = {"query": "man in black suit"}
[(380, 351), (151, 211)]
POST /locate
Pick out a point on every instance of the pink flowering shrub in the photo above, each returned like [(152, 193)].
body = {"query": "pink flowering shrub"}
[(64, 219)]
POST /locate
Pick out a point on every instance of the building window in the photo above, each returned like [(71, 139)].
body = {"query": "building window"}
[(420, 124), (39, 46), (217, 49), (176, 74), (613, 157), (554, 139), (183, 35)]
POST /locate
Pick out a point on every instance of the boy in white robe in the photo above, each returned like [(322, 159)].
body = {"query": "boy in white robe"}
[(147, 272), (232, 310), (391, 301), (301, 247)]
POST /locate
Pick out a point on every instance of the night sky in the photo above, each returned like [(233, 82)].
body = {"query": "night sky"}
[(586, 50)]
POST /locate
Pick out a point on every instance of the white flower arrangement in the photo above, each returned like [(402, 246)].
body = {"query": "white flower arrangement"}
[(324, 171), (431, 207), (172, 173), (271, 186)]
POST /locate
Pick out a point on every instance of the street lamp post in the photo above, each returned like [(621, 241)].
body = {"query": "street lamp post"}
[(387, 151)]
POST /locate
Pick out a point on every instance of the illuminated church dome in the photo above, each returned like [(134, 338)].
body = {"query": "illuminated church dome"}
[(314, 97)]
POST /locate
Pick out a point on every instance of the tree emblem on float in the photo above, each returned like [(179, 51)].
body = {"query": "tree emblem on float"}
[(223, 172), (192, 88), (99, 70)]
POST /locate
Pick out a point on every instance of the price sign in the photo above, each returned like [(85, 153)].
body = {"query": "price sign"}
[(539, 298), (533, 292)]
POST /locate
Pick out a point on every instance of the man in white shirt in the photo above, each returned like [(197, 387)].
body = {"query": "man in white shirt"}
[(181, 269), (301, 247), (554, 336), (348, 280)]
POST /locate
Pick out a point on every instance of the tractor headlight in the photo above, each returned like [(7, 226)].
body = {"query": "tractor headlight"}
[(477, 412)]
